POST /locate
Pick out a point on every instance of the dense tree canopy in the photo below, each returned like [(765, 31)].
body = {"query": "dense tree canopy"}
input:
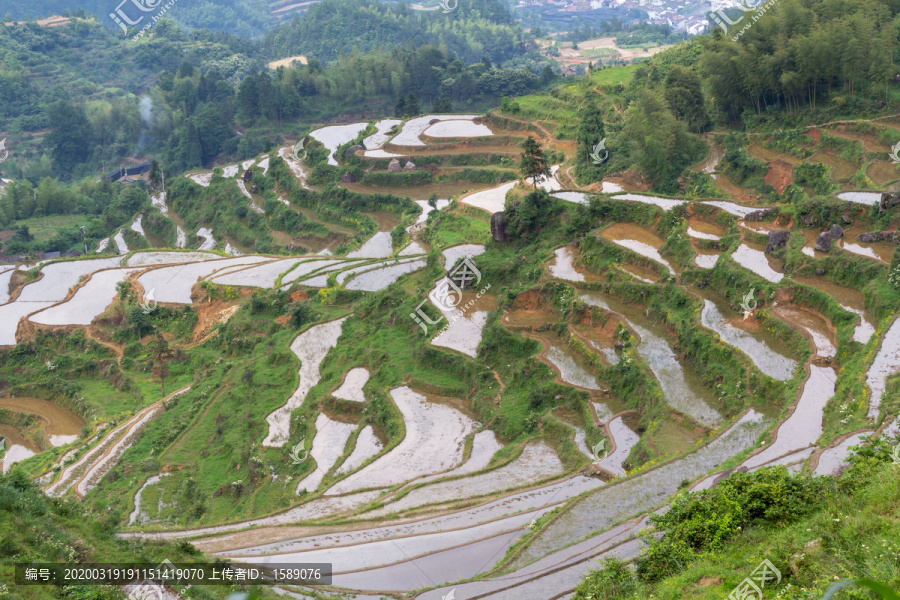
[(589, 134), (476, 28), (799, 52), (207, 85), (658, 144)]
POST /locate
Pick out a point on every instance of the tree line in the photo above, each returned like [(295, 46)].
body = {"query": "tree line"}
[(224, 85), (802, 54), (474, 29)]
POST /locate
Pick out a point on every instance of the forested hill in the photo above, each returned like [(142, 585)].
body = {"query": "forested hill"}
[(476, 28), (805, 54), (332, 25), (247, 18), (81, 65), (473, 55), (213, 99)]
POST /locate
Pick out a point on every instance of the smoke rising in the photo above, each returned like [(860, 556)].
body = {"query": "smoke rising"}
[(146, 108)]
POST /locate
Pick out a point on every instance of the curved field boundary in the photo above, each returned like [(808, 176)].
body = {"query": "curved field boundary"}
[(88, 463), (109, 458)]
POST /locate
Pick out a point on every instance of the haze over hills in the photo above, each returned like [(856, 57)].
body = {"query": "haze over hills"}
[(464, 308), (253, 18), (249, 18)]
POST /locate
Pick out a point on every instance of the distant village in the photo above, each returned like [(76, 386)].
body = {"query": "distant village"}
[(680, 15)]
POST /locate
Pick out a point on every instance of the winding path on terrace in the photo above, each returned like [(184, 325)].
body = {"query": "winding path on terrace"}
[(98, 460)]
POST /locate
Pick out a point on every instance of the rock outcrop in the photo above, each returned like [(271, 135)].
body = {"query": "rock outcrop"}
[(889, 201), (778, 238), (761, 215), (879, 236), (823, 242), (351, 150), (498, 227)]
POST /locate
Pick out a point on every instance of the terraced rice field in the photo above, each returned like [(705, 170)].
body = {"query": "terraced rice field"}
[(663, 203), (637, 240), (337, 135), (472, 493), (840, 169), (410, 134), (882, 172)]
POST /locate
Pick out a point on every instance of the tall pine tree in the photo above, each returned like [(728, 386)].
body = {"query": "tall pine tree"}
[(534, 163), (589, 133), (590, 130)]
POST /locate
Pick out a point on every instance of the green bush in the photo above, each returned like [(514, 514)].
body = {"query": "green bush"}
[(534, 213), (403, 179), (740, 167), (792, 141), (851, 150), (701, 185), (480, 176), (703, 521), (814, 175), (611, 581), (894, 275)]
